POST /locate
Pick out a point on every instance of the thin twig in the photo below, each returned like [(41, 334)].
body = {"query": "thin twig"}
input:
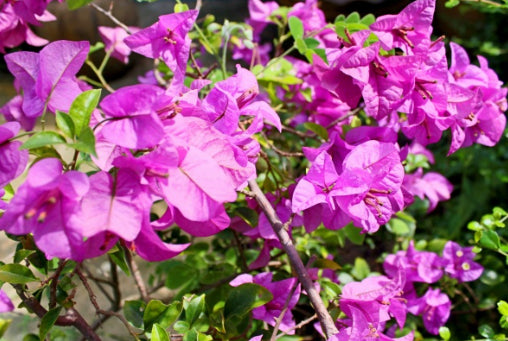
[(54, 284), (299, 325), (122, 319), (488, 2), (110, 15), (98, 309), (99, 283), (239, 245), (343, 118), (325, 319), (99, 76), (279, 319), (279, 151), (116, 285), (137, 277), (88, 289), (71, 318)]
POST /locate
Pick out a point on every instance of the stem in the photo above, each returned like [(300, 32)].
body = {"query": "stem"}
[(54, 284), (299, 325), (137, 277), (99, 75), (282, 313), (488, 2), (110, 15), (325, 319), (71, 318), (343, 118), (98, 309)]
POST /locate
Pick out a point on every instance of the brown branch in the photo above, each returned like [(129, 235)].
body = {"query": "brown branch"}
[(71, 318), (279, 319), (110, 15), (299, 325), (325, 319), (54, 284), (343, 118), (138, 280), (98, 309)]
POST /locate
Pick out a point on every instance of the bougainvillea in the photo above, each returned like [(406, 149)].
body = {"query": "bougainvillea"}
[(270, 160)]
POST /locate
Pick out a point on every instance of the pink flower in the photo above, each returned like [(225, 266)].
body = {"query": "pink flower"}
[(369, 188), (166, 39), (458, 262), (46, 206), (113, 38), (434, 307), (5, 303)]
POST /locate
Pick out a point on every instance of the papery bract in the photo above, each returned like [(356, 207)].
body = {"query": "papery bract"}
[(5, 303), (46, 206), (131, 118), (48, 78), (113, 38), (458, 262), (434, 307), (12, 160), (369, 188), (166, 39)]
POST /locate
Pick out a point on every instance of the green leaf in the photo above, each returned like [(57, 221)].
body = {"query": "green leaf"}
[(22, 254), (486, 331), (248, 215), (354, 234), (4, 324), (242, 299), (368, 19), (194, 335), (323, 263), (160, 313), (361, 268), (318, 129), (118, 257), (178, 274), (181, 8), (159, 333), (133, 312), (75, 4), (444, 333), (502, 307), (31, 337), (311, 43), (296, 27), (48, 321), (398, 227), (16, 274), (353, 18), (452, 3), (42, 139), (85, 142), (65, 124), (194, 309), (503, 322), (300, 45), (82, 108), (489, 240)]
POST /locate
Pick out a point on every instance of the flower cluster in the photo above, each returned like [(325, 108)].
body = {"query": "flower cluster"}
[(183, 143), (16, 16), (371, 303), (151, 144)]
